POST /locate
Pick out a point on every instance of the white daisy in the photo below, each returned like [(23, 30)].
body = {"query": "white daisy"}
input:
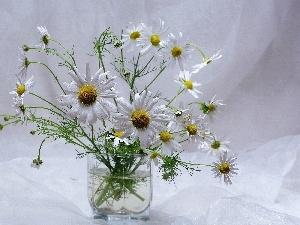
[(22, 87), (45, 37), (142, 119), (24, 64), (182, 114), (215, 145), (211, 107), (20, 108), (153, 157), (118, 137), (194, 128), (132, 35), (225, 168), (206, 61), (87, 95), (151, 38), (176, 49), (165, 137), (184, 79)]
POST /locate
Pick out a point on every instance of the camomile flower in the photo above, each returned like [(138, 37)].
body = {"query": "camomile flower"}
[(132, 35), (24, 63), (215, 145), (183, 113), (22, 87), (141, 119), (45, 37), (153, 157), (211, 107), (184, 79), (194, 128), (225, 168), (36, 163), (151, 38), (206, 61), (165, 137), (118, 137), (87, 95), (176, 49), (20, 109)]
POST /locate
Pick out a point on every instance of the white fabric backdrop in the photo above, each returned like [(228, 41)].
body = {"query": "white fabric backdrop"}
[(257, 77)]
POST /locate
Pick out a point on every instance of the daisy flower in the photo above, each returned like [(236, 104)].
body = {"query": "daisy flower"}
[(118, 137), (215, 145), (22, 87), (225, 168), (176, 50), (165, 137), (153, 157), (45, 37), (206, 61), (20, 109), (87, 95), (182, 114), (132, 35), (141, 119), (151, 38), (211, 107), (184, 79), (194, 129), (24, 64), (36, 163)]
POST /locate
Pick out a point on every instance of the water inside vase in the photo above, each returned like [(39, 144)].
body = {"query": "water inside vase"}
[(120, 194)]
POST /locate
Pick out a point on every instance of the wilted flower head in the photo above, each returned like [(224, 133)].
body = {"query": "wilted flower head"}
[(206, 61), (45, 37)]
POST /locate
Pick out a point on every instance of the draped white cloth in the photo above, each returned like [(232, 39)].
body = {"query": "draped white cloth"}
[(257, 77)]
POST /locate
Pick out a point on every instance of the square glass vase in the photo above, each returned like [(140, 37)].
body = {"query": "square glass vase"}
[(119, 186)]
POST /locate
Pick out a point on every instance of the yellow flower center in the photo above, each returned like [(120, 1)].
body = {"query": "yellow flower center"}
[(207, 61), (211, 108), (87, 95), (140, 119), (215, 144), (165, 136), (155, 40), (192, 129), (118, 134), (134, 35), (153, 155), (224, 168), (176, 51), (21, 89), (188, 84)]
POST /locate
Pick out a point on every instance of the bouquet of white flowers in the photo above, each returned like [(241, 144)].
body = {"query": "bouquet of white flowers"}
[(90, 113)]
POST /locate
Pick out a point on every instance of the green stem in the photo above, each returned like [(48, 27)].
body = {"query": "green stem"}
[(54, 76), (175, 97), (161, 70), (202, 53), (43, 99), (69, 54)]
